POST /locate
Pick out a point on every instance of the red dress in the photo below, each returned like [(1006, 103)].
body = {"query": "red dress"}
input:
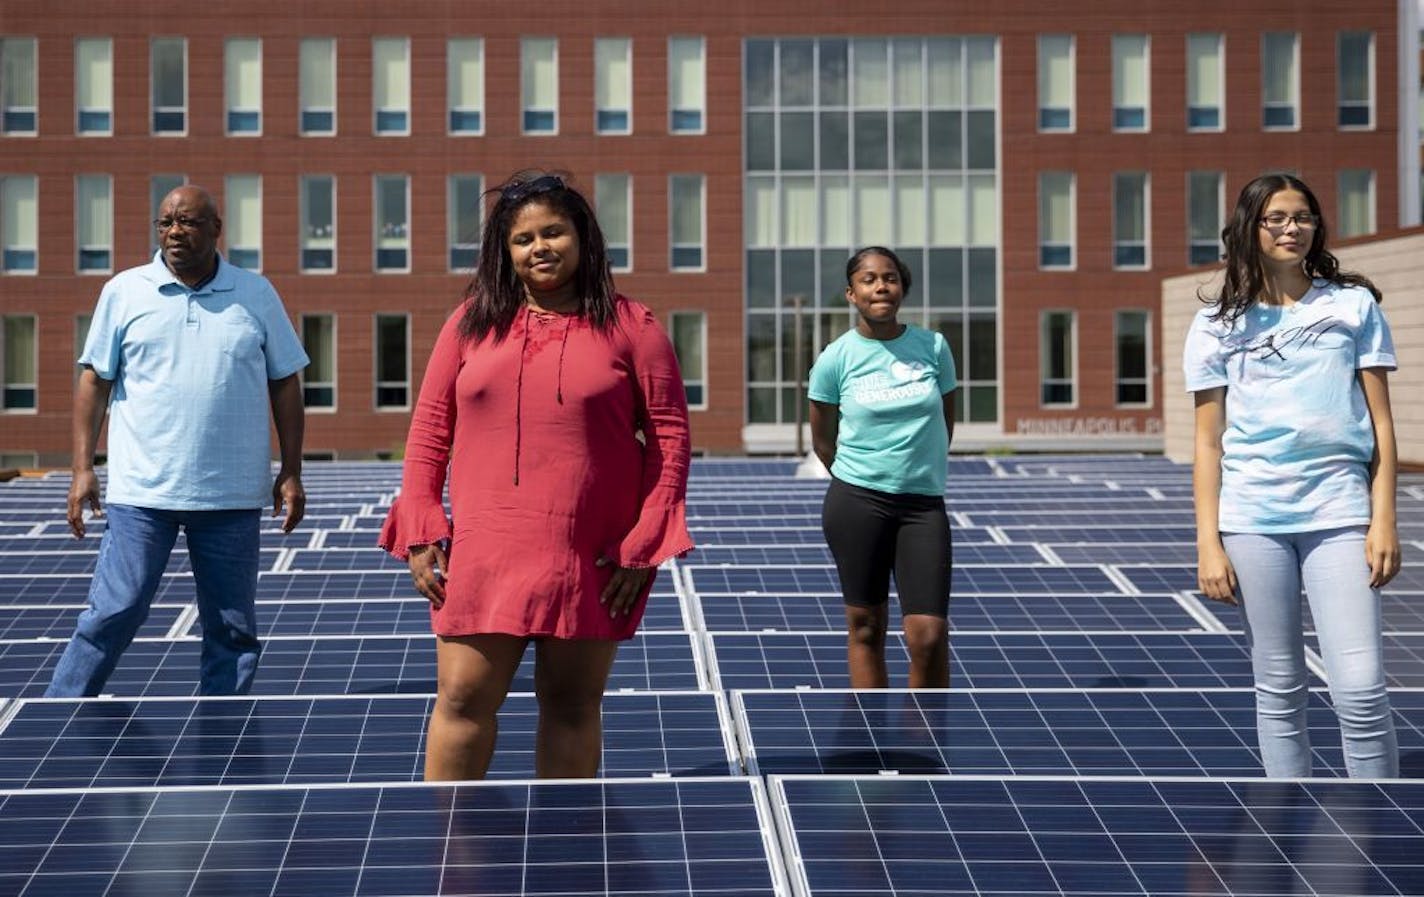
[(540, 432)]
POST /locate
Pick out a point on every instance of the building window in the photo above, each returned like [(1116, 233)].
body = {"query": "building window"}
[(242, 222), (392, 362), (687, 78), (1204, 216), (685, 197), (1055, 82), (390, 64), (319, 377), (19, 224), (465, 84), (1055, 219), (1057, 369), (1132, 335), (19, 391), (159, 186), (539, 84), (94, 213), (94, 86), (82, 323), (1130, 219), (1280, 79), (1356, 78), (464, 220), (613, 85), (392, 222), (1357, 203), (242, 77), (317, 87), (19, 113), (612, 194), (689, 341), (1130, 82), (169, 87), (318, 223), (1205, 76)]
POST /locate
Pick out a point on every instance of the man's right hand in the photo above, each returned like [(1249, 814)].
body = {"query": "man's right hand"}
[(84, 487)]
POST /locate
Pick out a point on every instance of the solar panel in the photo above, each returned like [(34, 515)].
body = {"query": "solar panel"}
[(1142, 513), (1120, 553), (966, 578), (1003, 733), (1104, 533), (679, 836), (73, 589), (332, 666), (291, 741), (984, 660), (58, 621), (970, 553), (1183, 578), (1401, 612), (1078, 837), (31, 563)]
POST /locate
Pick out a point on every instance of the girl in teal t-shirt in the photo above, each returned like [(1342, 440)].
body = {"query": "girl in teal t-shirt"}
[(882, 414)]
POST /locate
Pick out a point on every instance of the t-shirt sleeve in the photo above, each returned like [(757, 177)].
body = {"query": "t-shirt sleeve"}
[(948, 376), (1374, 347), (285, 355), (824, 384), (1203, 360), (102, 348)]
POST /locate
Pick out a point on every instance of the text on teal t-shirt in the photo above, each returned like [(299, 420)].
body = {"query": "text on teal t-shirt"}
[(890, 393)]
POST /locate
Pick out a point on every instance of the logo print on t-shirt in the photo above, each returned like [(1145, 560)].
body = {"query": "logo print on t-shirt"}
[(907, 371), (904, 382)]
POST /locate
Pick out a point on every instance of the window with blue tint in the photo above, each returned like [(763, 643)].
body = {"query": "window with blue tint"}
[(1205, 96), (242, 76), (619, 258), (1204, 217), (316, 88), (611, 121), (94, 260), (392, 121), (18, 103), (392, 221), (613, 84), (93, 85), (685, 205), (612, 196), (464, 218), (1355, 78), (1280, 79), (1130, 219), (1132, 335), (539, 84), (688, 332), (1055, 219), (390, 58), (392, 361), (1203, 118), (687, 88), (250, 259), (19, 224), (1130, 82), (242, 220), (244, 122), (1055, 119), (94, 222), (1055, 82), (1056, 350), (168, 76), (1129, 119), (319, 378), (20, 364), (159, 186), (465, 84)]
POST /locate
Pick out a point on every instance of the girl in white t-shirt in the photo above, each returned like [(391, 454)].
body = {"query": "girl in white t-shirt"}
[(1295, 470)]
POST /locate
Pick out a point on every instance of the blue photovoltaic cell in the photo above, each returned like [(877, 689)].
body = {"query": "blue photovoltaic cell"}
[(966, 836), (708, 536), (1401, 612), (679, 836), (1023, 613), (280, 741), (1104, 553), (748, 555), (82, 562), (73, 589), (1146, 513), (966, 579), (58, 622), (982, 660), (1183, 578), (1101, 533), (1163, 733), (333, 666), (371, 559)]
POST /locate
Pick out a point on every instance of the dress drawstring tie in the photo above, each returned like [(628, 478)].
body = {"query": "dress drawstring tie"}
[(519, 382)]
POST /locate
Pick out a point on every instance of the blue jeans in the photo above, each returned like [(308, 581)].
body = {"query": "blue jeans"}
[(1270, 570), (223, 551)]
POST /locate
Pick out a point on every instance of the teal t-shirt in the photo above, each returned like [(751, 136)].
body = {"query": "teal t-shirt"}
[(892, 436)]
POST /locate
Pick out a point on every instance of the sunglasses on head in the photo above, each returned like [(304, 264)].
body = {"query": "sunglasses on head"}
[(545, 184)]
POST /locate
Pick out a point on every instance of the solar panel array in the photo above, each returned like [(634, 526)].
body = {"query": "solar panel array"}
[(1098, 737)]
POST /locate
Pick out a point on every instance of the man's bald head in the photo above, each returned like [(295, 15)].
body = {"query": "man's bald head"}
[(188, 230), (190, 197)]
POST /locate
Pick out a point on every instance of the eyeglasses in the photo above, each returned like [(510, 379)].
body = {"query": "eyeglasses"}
[(1303, 220), (515, 193), (163, 225)]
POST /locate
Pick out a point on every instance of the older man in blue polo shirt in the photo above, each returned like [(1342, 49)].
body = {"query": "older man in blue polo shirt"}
[(185, 354)]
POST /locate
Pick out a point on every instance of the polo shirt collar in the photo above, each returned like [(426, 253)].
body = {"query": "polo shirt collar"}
[(221, 280)]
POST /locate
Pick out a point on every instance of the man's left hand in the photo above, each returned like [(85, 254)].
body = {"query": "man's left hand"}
[(288, 491)]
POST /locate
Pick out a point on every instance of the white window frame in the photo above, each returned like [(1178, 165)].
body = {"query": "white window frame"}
[(376, 75), (701, 380), (1372, 199), (376, 384), (1043, 355), (302, 110), (335, 363), (1294, 101), (672, 213), (304, 224), (153, 108), (376, 237), (79, 109), (451, 80), (701, 108), (1220, 83), (628, 204), (6, 181), (1370, 85), (599, 75), (1192, 243), (229, 233), (1146, 223), (453, 239), (1146, 84), (5, 385), (1072, 244), (1072, 85), (80, 248), (1147, 347), (526, 45), (229, 109), (7, 41)]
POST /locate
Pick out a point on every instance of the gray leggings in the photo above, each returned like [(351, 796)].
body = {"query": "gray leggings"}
[(1346, 611)]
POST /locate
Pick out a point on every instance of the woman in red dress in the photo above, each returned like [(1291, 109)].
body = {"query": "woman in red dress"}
[(558, 408)]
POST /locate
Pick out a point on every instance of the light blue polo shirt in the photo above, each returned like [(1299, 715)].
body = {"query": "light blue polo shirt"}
[(1298, 440), (892, 435), (189, 407)]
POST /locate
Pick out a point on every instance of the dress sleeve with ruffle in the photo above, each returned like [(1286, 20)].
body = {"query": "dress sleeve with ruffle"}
[(661, 529), (417, 517)]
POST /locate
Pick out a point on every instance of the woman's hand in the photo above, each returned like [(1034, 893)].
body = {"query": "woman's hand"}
[(623, 587), (427, 568), (1215, 575), (1382, 554)]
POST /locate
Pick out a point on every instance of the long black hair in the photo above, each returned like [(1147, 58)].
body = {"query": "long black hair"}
[(1245, 274), (495, 293)]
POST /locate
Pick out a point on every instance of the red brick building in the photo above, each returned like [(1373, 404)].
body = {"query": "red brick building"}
[(1041, 169)]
